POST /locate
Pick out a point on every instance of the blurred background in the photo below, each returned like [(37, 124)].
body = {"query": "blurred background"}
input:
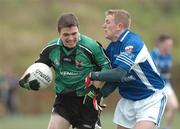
[(27, 25)]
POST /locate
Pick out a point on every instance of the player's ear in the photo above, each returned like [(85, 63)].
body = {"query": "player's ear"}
[(119, 26)]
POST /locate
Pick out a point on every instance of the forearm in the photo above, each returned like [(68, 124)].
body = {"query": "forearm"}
[(108, 88), (113, 75)]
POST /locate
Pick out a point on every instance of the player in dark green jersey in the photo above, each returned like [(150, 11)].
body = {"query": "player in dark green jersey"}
[(72, 56)]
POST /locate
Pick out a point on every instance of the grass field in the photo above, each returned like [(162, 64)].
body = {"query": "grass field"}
[(41, 121)]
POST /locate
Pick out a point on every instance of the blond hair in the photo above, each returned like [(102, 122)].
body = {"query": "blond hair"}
[(120, 16)]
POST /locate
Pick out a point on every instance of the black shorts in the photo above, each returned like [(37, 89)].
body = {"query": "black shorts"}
[(72, 109)]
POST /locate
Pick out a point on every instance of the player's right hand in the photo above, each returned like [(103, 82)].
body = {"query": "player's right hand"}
[(89, 93), (94, 97), (29, 85)]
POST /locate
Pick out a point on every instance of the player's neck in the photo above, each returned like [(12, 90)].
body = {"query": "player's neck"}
[(117, 35)]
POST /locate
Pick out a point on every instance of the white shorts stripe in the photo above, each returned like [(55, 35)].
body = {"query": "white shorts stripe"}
[(162, 108)]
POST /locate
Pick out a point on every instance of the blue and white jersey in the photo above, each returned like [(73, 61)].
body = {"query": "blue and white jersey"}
[(163, 63), (130, 53)]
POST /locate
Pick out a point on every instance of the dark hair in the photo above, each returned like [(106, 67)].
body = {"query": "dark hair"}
[(67, 20), (163, 37)]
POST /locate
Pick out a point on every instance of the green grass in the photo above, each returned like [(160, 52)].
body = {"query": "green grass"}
[(41, 121)]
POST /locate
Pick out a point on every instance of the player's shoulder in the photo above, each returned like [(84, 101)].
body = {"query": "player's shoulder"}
[(52, 44), (134, 41), (155, 52), (88, 42), (134, 38)]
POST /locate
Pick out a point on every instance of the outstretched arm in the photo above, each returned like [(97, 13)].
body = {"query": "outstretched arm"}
[(113, 75)]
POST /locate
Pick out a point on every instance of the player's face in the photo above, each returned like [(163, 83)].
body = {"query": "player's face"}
[(69, 36), (166, 47), (110, 28)]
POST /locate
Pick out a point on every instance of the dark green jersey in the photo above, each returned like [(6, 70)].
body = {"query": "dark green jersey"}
[(71, 66)]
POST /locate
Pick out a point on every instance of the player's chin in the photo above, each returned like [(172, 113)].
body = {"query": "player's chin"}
[(108, 37), (72, 44)]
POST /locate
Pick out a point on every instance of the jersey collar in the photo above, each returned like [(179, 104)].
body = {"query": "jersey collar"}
[(123, 35)]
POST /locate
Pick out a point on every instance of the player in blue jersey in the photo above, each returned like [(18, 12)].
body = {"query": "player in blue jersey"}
[(139, 83), (162, 58)]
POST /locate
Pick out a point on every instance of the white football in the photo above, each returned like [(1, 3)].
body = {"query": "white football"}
[(42, 73)]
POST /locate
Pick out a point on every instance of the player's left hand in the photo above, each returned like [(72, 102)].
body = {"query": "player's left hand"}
[(29, 85)]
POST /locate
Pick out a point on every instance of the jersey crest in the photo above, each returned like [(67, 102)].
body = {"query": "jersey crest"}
[(79, 64), (129, 49)]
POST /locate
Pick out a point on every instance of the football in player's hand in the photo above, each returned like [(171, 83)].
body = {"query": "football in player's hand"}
[(40, 72)]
